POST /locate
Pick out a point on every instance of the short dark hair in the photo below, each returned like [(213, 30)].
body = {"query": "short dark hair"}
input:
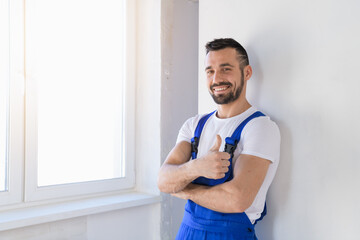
[(221, 43)]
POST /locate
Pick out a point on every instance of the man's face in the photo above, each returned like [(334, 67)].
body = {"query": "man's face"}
[(224, 78)]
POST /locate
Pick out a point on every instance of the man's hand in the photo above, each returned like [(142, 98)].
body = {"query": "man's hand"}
[(215, 164), (177, 171)]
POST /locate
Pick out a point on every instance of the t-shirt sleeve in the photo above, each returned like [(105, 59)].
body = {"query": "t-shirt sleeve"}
[(262, 139), (186, 131)]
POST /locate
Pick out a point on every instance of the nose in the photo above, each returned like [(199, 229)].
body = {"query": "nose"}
[(216, 78)]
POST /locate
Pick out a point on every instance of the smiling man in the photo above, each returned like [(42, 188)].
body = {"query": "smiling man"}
[(223, 162)]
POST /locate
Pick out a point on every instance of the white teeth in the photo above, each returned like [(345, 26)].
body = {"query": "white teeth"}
[(219, 89)]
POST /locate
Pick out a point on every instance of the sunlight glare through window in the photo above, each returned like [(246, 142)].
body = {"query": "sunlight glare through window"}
[(75, 54)]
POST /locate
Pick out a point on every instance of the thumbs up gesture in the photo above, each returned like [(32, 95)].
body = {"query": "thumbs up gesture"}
[(215, 164)]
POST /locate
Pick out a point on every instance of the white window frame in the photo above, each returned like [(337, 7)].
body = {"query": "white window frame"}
[(14, 193), (22, 130)]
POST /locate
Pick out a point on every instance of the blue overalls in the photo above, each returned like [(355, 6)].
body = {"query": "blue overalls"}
[(200, 223)]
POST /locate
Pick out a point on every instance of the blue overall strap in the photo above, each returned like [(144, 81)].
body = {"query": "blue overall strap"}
[(231, 142), (230, 146), (195, 140)]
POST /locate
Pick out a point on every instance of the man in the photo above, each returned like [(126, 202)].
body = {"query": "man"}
[(226, 191)]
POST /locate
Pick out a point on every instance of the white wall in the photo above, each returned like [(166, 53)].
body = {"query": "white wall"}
[(179, 90), (128, 224), (305, 57), (123, 224)]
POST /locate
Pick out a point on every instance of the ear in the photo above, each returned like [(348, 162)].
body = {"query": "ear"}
[(247, 72)]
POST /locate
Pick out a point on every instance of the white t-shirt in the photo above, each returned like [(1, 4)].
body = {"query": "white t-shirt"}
[(260, 137)]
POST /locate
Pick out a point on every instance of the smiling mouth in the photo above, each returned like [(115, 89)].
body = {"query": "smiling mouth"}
[(220, 88)]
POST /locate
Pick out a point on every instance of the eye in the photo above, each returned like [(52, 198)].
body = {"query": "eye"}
[(209, 72), (226, 69)]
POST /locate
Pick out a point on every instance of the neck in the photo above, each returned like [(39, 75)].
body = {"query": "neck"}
[(232, 109)]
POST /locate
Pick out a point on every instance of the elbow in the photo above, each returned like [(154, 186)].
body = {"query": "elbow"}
[(163, 188), (167, 187), (241, 206), (163, 185), (241, 201)]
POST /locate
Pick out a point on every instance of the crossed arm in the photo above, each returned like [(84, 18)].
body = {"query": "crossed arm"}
[(237, 195)]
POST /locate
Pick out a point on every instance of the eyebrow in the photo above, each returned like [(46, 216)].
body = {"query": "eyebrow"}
[(226, 65), (221, 65)]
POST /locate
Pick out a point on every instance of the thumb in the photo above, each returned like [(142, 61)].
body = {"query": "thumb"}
[(217, 144)]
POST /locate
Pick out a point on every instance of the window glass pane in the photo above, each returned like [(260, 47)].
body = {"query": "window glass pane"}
[(4, 89), (75, 54)]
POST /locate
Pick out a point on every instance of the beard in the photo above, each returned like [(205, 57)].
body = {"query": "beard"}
[(230, 97)]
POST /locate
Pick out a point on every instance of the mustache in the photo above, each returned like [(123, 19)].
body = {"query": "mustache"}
[(221, 84)]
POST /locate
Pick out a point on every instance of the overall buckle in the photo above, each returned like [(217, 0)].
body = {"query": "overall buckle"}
[(229, 147)]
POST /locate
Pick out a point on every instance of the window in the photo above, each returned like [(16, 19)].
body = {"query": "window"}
[(4, 80), (75, 66)]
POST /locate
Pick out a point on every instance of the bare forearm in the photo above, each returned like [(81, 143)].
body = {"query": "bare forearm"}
[(174, 178), (235, 195), (221, 198)]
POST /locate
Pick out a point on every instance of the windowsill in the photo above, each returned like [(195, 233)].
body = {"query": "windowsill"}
[(22, 217)]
